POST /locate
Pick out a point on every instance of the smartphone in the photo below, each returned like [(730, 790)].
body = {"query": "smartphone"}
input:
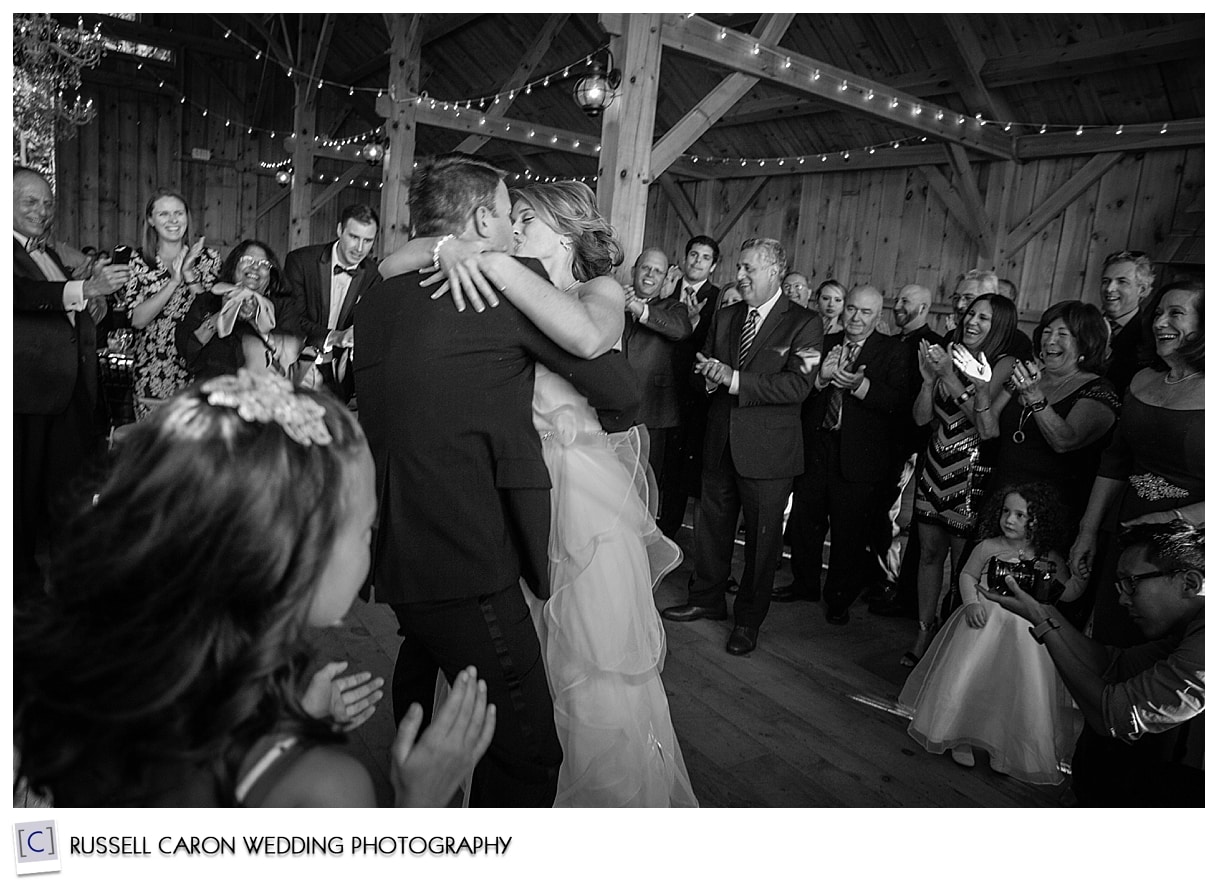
[(122, 254)]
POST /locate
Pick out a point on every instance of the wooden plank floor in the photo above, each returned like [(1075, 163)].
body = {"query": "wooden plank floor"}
[(789, 725)]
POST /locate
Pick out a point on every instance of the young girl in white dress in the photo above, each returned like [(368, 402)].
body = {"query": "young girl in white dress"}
[(603, 639), (985, 682)]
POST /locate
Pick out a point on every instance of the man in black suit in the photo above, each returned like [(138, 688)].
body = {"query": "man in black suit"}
[(683, 459), (463, 491), (855, 427), (756, 371), (1124, 284), (55, 356), (655, 325), (910, 312), (326, 282)]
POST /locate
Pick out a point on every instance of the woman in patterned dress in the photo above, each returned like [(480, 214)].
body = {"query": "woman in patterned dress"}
[(166, 274), (952, 482)]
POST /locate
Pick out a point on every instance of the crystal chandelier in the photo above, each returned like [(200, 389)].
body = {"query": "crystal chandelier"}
[(47, 60)]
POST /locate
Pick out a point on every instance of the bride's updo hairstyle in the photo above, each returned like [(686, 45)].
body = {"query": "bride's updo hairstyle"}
[(569, 207), (172, 635)]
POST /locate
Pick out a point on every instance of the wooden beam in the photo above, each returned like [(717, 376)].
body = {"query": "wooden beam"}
[(681, 204), (322, 46), (458, 119), (304, 128), (904, 157), (738, 210), (402, 124), (1019, 235), (137, 32), (627, 127), (1001, 217), (524, 70), (950, 198), (352, 172), (1134, 49), (769, 31), (972, 197), (273, 46), (704, 39), (1180, 133), (272, 202), (974, 90)]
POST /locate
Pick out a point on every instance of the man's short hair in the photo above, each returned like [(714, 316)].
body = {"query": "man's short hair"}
[(1143, 269), (708, 242), (772, 249), (361, 214), (1175, 544), (988, 279), (1007, 289), (448, 189)]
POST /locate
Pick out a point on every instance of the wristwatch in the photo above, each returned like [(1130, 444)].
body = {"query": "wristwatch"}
[(1040, 631)]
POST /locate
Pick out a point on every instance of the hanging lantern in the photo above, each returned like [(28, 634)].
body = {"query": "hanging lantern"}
[(373, 152), (283, 177), (595, 91)]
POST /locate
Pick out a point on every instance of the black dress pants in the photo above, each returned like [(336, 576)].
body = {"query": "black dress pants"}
[(495, 633)]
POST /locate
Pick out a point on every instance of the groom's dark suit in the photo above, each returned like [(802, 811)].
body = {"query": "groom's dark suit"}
[(464, 509)]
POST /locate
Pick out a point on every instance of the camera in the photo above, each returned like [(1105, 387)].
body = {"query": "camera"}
[(1036, 577), (122, 254)]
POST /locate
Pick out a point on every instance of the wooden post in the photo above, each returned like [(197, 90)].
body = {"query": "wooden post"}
[(399, 109), (628, 127), (304, 127)]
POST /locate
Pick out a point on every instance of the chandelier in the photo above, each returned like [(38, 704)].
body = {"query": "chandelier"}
[(47, 60)]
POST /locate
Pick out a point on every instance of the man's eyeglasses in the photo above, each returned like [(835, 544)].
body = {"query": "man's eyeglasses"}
[(1128, 585), (256, 262)]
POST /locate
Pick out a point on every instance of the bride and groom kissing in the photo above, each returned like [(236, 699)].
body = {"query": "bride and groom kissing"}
[(503, 459)]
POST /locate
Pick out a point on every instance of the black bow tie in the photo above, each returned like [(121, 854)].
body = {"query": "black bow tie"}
[(338, 270)]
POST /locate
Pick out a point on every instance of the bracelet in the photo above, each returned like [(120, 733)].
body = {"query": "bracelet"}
[(1038, 406), (1039, 632), (435, 251)]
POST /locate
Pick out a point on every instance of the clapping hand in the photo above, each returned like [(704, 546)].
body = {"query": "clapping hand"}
[(428, 772), (350, 701), (926, 367), (938, 359), (713, 370), (976, 368), (1025, 377), (829, 364), (848, 380), (461, 276), (107, 278)]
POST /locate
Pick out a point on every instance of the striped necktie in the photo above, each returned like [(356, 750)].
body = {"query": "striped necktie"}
[(833, 407), (747, 333)]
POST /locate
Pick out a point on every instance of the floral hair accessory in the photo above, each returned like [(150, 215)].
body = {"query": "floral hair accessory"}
[(269, 398)]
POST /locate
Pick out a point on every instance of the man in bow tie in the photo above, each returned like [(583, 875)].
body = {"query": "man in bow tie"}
[(326, 282), (690, 283), (55, 358), (1126, 279)]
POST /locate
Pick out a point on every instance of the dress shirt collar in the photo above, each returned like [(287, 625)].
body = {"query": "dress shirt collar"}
[(764, 309)]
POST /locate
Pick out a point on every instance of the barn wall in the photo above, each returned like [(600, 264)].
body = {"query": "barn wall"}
[(888, 228)]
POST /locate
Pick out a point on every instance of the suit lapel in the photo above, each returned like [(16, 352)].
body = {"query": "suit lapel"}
[(353, 292), (325, 280), (768, 327), (22, 261)]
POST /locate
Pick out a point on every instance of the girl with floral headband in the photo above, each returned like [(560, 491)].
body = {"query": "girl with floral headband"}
[(167, 663)]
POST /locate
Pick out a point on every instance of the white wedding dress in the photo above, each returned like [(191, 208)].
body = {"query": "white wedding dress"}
[(601, 636)]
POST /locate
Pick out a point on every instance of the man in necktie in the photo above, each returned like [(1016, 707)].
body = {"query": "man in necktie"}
[(855, 444), (55, 359), (755, 370), (689, 281), (1126, 279), (326, 282), (655, 327)]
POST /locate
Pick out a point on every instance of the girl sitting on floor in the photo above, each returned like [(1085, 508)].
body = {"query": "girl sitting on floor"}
[(166, 665)]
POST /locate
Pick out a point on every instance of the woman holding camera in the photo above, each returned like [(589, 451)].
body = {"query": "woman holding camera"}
[(166, 274)]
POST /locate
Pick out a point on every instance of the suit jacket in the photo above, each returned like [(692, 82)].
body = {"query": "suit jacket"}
[(761, 423), (873, 430), (446, 402), (1125, 356), (652, 348), (309, 275), (50, 354)]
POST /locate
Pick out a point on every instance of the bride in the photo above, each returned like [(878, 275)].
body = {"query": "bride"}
[(602, 637)]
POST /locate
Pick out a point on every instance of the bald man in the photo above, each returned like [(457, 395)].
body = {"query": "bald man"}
[(910, 312), (654, 326), (55, 350), (863, 394)]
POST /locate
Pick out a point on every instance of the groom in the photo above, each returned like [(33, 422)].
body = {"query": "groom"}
[(464, 508)]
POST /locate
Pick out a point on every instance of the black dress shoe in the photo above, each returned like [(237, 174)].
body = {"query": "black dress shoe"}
[(790, 594), (689, 612), (834, 618), (742, 641)]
